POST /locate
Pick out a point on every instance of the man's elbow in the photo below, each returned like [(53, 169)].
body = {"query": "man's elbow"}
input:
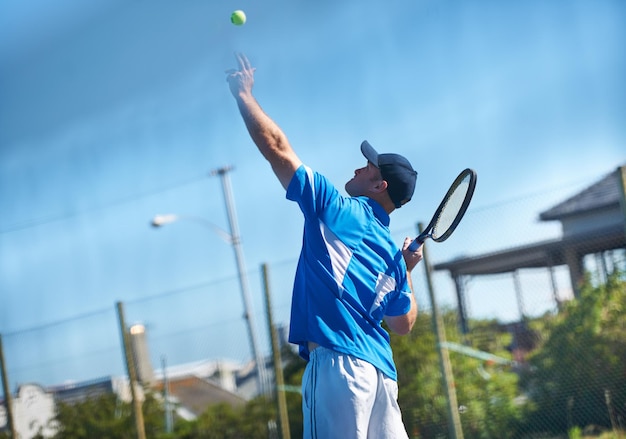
[(403, 330), (401, 325)]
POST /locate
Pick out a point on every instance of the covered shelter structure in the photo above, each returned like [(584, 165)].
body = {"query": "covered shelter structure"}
[(593, 222)]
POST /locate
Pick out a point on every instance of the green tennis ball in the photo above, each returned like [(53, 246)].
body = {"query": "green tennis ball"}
[(238, 17)]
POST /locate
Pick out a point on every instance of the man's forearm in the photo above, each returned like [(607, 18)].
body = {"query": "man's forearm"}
[(269, 138), (413, 311), (404, 323), (265, 133)]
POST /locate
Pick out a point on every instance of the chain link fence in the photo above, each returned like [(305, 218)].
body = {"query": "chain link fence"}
[(502, 328)]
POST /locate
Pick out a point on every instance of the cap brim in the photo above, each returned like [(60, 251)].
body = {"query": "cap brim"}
[(369, 152)]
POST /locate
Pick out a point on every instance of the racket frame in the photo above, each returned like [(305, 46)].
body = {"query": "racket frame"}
[(427, 233)]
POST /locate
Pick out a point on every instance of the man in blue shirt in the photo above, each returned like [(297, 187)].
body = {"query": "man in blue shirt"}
[(350, 277)]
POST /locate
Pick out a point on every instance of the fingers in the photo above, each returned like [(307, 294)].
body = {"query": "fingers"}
[(407, 242), (244, 63), (230, 73), (240, 59), (244, 66), (241, 79), (411, 258)]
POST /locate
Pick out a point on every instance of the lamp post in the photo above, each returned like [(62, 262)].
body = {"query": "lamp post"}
[(168, 218), (234, 239)]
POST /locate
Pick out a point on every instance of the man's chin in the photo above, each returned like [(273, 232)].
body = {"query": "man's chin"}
[(347, 188)]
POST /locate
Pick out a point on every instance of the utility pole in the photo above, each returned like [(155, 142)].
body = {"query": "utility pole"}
[(169, 419), (8, 401), (243, 279), (621, 180), (278, 363), (132, 373), (454, 421)]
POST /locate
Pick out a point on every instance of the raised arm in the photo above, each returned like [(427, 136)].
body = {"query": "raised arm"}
[(265, 133)]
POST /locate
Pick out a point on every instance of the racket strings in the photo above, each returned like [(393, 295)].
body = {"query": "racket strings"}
[(451, 209)]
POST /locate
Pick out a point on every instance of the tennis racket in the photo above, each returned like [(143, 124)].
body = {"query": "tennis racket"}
[(450, 211)]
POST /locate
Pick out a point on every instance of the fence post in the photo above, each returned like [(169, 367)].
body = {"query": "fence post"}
[(132, 373), (278, 366), (621, 180), (454, 421), (8, 402)]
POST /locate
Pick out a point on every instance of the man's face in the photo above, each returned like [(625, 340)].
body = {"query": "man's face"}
[(364, 180)]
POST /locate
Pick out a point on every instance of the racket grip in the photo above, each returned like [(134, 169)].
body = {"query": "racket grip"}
[(413, 246)]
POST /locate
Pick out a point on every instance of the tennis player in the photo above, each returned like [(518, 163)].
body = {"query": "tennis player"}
[(351, 277)]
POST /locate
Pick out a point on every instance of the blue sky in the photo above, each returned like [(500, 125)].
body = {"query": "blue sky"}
[(112, 112)]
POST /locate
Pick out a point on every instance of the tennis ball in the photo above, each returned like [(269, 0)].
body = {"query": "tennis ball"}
[(238, 17)]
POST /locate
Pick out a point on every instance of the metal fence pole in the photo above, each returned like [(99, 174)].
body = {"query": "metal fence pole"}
[(8, 402), (278, 366), (621, 177), (454, 421), (169, 418)]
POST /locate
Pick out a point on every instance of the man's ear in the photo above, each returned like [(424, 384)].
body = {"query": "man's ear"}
[(380, 186)]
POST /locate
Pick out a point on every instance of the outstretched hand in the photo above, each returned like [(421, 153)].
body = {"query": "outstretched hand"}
[(411, 258), (241, 81)]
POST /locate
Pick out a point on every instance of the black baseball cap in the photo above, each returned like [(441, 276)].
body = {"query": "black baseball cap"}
[(396, 171)]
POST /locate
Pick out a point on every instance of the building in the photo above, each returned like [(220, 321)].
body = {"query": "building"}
[(593, 223), (191, 389), (33, 408), (141, 354)]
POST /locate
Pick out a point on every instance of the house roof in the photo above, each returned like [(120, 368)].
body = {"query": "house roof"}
[(605, 193), (602, 194), (537, 255), (196, 394)]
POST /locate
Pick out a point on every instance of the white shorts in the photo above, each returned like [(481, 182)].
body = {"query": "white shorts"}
[(344, 397)]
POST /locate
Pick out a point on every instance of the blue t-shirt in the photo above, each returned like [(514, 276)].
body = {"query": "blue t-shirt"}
[(350, 273)]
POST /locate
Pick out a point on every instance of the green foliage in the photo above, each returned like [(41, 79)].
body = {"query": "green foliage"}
[(106, 417), (292, 373), (574, 378), (577, 377), (575, 433), (486, 396), (252, 420), (223, 421), (419, 384)]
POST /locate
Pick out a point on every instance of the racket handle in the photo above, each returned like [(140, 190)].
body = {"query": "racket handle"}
[(417, 242)]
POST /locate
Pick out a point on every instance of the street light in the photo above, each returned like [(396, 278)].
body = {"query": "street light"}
[(233, 239), (160, 220)]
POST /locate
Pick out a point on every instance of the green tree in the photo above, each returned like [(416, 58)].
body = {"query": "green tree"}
[(252, 420), (293, 372), (577, 377), (223, 421), (486, 394), (106, 417)]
